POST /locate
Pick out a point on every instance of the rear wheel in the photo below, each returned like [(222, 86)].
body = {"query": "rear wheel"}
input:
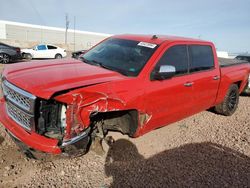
[(230, 102), (58, 56), (4, 58), (27, 56)]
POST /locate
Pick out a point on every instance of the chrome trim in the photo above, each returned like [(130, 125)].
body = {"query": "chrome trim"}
[(31, 98), (12, 134), (10, 106), (77, 138)]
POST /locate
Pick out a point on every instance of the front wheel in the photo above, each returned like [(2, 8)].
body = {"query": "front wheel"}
[(58, 56), (230, 102), (4, 58)]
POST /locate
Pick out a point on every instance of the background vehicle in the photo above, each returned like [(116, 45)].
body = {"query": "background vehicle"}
[(9, 53), (128, 83), (44, 51), (76, 54), (243, 57)]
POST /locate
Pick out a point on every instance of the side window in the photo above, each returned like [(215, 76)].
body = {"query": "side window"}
[(201, 57), (41, 47), (177, 57), (51, 47)]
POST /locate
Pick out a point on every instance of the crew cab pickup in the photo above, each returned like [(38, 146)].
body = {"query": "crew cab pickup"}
[(127, 83)]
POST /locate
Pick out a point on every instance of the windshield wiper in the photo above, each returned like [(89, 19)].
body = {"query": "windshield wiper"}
[(86, 61), (99, 64), (109, 68)]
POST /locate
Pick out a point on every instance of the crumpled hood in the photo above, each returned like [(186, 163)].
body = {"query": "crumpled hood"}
[(44, 78)]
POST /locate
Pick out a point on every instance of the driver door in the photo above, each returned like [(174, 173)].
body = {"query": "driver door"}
[(169, 100)]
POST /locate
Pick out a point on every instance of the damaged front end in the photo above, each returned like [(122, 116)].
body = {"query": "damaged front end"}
[(59, 121), (89, 117), (66, 123)]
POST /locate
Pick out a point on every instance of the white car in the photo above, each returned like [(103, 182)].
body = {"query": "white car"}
[(44, 51)]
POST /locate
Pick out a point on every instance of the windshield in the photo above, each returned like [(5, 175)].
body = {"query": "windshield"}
[(127, 57)]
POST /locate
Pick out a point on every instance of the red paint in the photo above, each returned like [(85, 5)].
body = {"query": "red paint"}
[(44, 78), (33, 140), (101, 90)]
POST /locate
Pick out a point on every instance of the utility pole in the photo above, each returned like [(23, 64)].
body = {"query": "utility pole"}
[(67, 26), (74, 33)]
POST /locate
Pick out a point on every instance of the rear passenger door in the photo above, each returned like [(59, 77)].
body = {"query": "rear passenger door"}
[(52, 50), (205, 76)]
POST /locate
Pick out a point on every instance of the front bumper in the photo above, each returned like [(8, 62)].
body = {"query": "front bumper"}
[(31, 140)]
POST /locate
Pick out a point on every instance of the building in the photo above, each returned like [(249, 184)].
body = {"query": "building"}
[(28, 35), (222, 54)]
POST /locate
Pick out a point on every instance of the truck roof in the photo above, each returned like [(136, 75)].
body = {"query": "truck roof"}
[(158, 39)]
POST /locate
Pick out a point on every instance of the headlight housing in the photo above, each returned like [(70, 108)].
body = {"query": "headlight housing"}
[(52, 119), (63, 116)]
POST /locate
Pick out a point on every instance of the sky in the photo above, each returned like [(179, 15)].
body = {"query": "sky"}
[(224, 22)]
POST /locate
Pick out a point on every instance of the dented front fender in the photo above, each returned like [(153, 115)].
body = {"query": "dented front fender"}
[(80, 107)]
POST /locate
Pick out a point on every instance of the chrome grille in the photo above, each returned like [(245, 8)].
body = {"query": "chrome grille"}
[(24, 101), (18, 96), (19, 116), (20, 105)]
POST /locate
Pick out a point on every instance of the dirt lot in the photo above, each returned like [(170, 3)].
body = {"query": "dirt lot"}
[(206, 150)]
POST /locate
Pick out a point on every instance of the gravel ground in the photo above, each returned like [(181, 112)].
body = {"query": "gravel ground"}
[(205, 150)]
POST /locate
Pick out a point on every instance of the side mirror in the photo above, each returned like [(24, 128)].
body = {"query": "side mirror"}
[(164, 72)]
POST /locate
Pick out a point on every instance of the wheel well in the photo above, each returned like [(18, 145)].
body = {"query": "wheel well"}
[(125, 121), (58, 54), (238, 83), (25, 54)]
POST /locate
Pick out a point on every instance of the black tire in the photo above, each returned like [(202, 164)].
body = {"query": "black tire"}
[(246, 90), (230, 102), (27, 56), (4, 58), (58, 56)]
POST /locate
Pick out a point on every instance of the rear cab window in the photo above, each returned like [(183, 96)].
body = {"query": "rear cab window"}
[(201, 58)]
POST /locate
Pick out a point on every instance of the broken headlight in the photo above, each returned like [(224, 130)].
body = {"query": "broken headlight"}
[(52, 119)]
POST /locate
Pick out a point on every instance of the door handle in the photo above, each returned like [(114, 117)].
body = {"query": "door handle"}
[(216, 77), (188, 84)]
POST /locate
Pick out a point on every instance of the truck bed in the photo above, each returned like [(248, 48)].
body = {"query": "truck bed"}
[(232, 71), (224, 62)]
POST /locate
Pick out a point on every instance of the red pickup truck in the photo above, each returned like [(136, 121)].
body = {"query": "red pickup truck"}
[(127, 83)]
